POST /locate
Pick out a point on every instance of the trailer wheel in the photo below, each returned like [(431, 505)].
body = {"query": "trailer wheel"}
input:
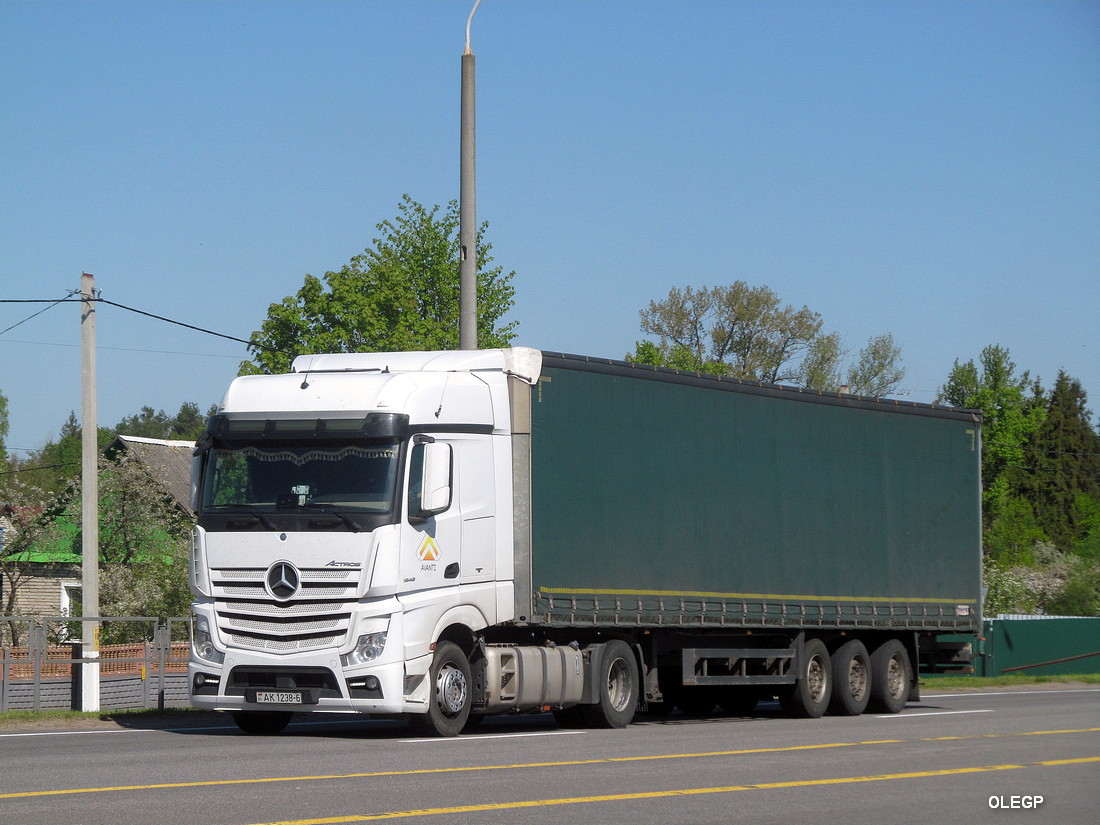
[(891, 673), (449, 702), (261, 722), (851, 679), (809, 696), (617, 683)]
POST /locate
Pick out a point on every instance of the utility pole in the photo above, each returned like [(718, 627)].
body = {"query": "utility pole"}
[(467, 206), (89, 475)]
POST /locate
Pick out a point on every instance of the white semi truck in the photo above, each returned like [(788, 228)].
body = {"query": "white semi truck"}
[(442, 536)]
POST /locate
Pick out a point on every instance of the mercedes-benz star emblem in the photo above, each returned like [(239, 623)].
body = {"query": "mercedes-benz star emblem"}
[(283, 580)]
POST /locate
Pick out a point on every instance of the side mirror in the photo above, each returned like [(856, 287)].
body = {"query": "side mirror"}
[(432, 464)]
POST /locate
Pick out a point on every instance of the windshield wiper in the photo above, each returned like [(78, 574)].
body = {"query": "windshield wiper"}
[(254, 516), (324, 507)]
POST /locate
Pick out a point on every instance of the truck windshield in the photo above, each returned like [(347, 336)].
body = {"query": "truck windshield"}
[(285, 476)]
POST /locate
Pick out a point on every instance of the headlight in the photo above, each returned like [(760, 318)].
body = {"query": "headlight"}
[(367, 649), (202, 642)]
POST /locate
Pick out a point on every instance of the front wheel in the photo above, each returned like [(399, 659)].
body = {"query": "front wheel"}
[(617, 683), (449, 700)]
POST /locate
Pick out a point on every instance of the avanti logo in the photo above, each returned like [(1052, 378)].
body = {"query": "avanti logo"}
[(429, 550)]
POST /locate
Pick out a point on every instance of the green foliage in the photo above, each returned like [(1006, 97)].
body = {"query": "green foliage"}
[(186, 425), (747, 332), (401, 294), (1086, 515), (1041, 487), (1008, 591), (1010, 417), (877, 371), (138, 521), (1064, 463), (1012, 534)]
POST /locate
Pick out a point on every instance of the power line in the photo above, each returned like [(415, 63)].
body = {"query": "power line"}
[(132, 309), (120, 349), (41, 467), (188, 326), (52, 304)]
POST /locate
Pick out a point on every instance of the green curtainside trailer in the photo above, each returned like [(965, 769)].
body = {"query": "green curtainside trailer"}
[(699, 501), (746, 541)]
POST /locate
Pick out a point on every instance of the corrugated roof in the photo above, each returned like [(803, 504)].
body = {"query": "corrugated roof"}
[(169, 462)]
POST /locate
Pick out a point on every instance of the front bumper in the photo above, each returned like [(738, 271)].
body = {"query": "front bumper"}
[(377, 689)]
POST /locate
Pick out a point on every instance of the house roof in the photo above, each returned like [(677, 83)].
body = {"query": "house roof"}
[(169, 462)]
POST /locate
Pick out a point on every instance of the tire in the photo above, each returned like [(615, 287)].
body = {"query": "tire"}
[(618, 686), (851, 679), (891, 674), (809, 696), (261, 722), (449, 700)]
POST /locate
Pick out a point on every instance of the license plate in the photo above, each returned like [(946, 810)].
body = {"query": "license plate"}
[(279, 697)]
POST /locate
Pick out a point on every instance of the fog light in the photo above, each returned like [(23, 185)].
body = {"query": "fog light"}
[(372, 683)]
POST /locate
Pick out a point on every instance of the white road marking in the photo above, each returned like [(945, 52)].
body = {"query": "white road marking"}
[(918, 714), (493, 736)]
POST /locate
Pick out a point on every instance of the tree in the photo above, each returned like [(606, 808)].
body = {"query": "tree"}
[(1041, 487), (877, 372), (1063, 463), (144, 548), (1010, 416), (33, 524), (747, 332), (400, 294), (186, 425)]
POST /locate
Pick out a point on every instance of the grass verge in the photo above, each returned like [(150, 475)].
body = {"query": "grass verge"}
[(1015, 680)]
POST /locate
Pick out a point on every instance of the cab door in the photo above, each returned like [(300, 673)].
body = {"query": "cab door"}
[(431, 537)]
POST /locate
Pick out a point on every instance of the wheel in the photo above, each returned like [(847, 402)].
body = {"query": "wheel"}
[(739, 701), (617, 682), (261, 722), (697, 700), (851, 679), (891, 674), (449, 702), (809, 696)]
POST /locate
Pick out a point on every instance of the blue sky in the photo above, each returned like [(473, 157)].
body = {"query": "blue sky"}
[(928, 169)]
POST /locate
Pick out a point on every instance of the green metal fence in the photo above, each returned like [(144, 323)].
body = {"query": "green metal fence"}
[(1040, 645)]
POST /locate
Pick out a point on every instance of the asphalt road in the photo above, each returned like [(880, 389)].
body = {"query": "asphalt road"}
[(975, 758)]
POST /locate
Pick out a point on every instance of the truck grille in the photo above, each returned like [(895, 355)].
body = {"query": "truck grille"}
[(318, 616)]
